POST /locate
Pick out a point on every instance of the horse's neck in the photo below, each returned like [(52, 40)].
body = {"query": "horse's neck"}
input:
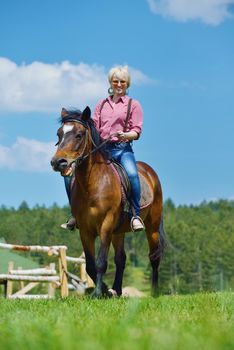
[(89, 170)]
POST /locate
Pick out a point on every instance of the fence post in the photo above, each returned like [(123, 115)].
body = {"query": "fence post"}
[(21, 282), (9, 286), (51, 286), (63, 272)]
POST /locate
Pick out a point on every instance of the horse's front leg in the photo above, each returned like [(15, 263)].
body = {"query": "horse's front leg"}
[(101, 262), (88, 243), (101, 267)]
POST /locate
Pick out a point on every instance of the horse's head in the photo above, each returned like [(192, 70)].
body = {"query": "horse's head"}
[(73, 139)]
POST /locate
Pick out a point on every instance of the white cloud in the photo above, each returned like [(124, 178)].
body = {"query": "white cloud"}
[(211, 12), (47, 87), (27, 155)]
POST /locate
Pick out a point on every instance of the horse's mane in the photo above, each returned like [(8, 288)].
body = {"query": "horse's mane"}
[(75, 115)]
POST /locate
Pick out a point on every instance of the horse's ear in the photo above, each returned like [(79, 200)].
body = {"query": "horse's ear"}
[(64, 112), (86, 114)]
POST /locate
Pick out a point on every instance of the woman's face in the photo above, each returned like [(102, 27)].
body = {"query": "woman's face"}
[(119, 86)]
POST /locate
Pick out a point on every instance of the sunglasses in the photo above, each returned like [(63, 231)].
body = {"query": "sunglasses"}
[(116, 82)]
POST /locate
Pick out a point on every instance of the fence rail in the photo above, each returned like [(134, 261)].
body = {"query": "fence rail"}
[(50, 250), (46, 274)]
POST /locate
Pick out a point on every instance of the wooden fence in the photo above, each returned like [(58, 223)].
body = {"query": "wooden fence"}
[(47, 274)]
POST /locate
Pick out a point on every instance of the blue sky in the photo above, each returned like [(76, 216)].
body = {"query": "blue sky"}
[(181, 55)]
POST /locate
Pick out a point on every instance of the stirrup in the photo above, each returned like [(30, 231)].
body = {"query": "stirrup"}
[(139, 226)]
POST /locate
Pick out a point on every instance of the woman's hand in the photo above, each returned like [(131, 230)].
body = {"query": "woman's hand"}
[(122, 136), (127, 136)]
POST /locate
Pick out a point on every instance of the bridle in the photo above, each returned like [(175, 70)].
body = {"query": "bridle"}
[(81, 158)]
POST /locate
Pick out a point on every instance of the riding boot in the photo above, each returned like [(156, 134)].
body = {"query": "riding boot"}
[(71, 222), (137, 224)]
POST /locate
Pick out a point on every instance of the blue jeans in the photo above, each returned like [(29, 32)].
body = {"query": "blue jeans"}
[(122, 152), (67, 183)]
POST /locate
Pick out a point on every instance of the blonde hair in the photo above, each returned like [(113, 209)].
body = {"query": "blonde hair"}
[(120, 72)]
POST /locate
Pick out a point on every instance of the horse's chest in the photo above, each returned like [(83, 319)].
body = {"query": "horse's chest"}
[(88, 210)]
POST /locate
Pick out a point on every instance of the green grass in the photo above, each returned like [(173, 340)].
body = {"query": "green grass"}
[(201, 321)]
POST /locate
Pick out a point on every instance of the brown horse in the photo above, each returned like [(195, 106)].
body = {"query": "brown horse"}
[(96, 200)]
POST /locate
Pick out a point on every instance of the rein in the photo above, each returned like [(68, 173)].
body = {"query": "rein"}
[(81, 158)]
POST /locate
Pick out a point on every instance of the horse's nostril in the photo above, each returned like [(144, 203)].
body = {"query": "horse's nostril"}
[(58, 164), (62, 163)]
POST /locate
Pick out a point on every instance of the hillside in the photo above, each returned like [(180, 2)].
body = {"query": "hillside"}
[(199, 254), (19, 261)]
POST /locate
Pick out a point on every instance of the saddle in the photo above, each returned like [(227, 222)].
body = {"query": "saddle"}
[(146, 192)]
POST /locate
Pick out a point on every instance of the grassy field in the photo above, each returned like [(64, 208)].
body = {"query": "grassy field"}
[(201, 321)]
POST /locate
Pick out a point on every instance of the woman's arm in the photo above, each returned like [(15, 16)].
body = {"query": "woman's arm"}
[(96, 114), (136, 121)]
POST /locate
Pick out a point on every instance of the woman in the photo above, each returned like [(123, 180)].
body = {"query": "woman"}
[(111, 116), (118, 114)]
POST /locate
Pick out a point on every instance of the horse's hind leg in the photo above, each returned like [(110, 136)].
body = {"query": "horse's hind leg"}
[(120, 259), (152, 233)]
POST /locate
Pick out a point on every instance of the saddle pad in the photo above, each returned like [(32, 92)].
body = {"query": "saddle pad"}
[(146, 192)]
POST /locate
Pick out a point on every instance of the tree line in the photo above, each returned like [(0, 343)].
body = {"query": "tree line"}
[(199, 253)]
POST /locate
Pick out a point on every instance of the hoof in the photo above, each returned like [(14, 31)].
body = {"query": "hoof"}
[(112, 293), (96, 294)]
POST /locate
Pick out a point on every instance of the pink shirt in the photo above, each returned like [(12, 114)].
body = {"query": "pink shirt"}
[(113, 115)]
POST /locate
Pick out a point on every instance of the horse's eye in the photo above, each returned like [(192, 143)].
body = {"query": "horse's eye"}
[(79, 136)]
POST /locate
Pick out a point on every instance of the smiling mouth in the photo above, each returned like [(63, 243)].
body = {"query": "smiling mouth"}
[(119, 90)]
